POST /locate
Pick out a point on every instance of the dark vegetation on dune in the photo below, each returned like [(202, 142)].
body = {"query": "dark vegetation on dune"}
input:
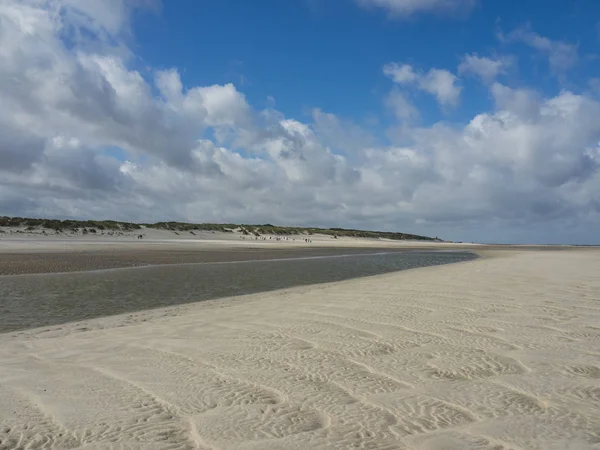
[(255, 230), (64, 225)]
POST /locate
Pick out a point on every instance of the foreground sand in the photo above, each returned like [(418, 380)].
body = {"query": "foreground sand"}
[(498, 353)]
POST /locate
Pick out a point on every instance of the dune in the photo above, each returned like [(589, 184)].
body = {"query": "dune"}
[(498, 353)]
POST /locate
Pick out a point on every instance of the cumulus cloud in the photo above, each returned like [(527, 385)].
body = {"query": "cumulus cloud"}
[(523, 103), (405, 8), (486, 69), (110, 16), (341, 135), (401, 74), (402, 108), (438, 82), (83, 134), (53, 90), (561, 55)]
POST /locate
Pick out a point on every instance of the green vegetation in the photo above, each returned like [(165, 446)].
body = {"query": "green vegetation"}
[(255, 230), (269, 229), (183, 226), (60, 225)]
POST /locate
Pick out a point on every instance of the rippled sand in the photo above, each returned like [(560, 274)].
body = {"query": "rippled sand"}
[(497, 353)]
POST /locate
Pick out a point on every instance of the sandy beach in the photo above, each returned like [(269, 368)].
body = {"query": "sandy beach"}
[(299, 225), (498, 353)]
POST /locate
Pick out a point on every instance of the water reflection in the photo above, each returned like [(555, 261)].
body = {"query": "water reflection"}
[(30, 301)]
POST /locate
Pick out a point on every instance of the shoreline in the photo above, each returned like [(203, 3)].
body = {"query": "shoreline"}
[(156, 313), (34, 300), (269, 258), (31, 263)]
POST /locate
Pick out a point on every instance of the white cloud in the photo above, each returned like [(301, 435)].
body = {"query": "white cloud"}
[(342, 135), (401, 106), (405, 8), (561, 55), (438, 82), (52, 90), (107, 17), (442, 84), (523, 103), (401, 74), (486, 69), (70, 114)]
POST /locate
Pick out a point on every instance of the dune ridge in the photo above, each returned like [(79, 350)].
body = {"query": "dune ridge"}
[(497, 353)]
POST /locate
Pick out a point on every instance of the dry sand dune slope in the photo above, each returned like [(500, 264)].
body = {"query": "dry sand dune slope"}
[(498, 353)]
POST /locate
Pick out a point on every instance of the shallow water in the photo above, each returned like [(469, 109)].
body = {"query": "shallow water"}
[(30, 301)]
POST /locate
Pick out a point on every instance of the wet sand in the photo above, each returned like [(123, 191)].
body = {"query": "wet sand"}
[(37, 300), (84, 260)]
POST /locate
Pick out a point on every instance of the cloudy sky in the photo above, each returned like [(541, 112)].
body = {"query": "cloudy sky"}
[(474, 120)]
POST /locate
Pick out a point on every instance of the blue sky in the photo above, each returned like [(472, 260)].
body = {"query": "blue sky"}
[(465, 119), (328, 53)]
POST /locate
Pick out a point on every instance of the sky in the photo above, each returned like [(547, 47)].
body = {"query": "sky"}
[(470, 120)]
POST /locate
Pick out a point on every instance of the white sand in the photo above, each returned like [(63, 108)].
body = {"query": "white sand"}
[(499, 353)]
